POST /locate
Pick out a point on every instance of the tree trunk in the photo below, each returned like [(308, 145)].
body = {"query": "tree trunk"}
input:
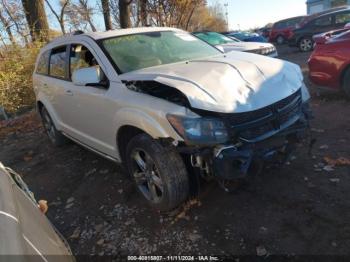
[(124, 13), (37, 20), (106, 14), (143, 12), (6, 25)]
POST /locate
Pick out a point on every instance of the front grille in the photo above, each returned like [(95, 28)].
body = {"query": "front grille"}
[(262, 123)]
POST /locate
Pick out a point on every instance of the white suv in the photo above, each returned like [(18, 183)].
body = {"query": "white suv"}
[(167, 104)]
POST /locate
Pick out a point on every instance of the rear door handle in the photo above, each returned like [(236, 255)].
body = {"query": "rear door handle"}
[(69, 92)]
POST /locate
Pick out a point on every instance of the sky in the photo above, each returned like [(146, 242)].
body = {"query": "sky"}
[(248, 14), (242, 14)]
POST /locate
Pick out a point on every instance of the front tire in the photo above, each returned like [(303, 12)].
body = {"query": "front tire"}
[(55, 136), (159, 172), (306, 44), (346, 82)]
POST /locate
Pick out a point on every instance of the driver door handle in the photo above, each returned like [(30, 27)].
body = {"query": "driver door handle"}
[(69, 92)]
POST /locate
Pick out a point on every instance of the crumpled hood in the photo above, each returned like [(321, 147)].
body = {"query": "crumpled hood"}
[(235, 82), (244, 46)]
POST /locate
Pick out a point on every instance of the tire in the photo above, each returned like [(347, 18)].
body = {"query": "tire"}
[(346, 83), (159, 173), (55, 136), (280, 40), (306, 44)]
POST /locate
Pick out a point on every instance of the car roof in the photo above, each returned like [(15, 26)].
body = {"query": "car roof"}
[(331, 13), (291, 18), (114, 33)]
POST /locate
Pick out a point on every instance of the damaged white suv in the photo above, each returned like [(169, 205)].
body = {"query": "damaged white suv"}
[(166, 104)]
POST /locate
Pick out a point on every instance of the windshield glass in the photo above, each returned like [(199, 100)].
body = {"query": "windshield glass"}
[(137, 51), (214, 38)]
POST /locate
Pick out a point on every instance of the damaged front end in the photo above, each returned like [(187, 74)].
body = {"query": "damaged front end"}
[(236, 145)]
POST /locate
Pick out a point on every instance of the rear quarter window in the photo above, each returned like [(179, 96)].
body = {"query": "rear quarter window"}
[(58, 62), (43, 63)]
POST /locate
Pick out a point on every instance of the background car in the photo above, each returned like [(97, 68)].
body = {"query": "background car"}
[(247, 36), (229, 44), (330, 62), (24, 229), (303, 36), (282, 30)]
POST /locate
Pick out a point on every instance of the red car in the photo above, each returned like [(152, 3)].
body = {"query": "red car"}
[(329, 64), (283, 29)]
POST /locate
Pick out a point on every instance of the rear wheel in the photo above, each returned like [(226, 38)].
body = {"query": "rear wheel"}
[(159, 173), (280, 40), (306, 44), (346, 83), (54, 135)]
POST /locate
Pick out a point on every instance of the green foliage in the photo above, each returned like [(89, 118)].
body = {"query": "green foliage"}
[(16, 68)]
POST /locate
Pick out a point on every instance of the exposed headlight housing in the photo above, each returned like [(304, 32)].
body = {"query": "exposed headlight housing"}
[(199, 130)]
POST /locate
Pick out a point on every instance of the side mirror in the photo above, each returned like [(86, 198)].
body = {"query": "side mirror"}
[(89, 76)]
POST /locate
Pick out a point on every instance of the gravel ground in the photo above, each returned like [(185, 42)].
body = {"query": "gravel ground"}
[(298, 209)]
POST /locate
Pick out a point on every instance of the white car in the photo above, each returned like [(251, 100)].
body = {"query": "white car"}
[(25, 232), (230, 43), (166, 103)]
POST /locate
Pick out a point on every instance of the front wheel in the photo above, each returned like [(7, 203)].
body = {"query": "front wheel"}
[(346, 83), (306, 44), (159, 173)]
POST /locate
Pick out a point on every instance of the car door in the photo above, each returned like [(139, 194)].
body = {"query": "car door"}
[(89, 110), (56, 85), (323, 24)]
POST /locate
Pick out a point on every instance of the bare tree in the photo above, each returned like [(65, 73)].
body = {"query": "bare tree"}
[(124, 13), (60, 15), (106, 14), (36, 18), (79, 15)]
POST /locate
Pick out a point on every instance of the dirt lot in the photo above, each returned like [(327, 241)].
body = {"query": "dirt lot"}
[(301, 208)]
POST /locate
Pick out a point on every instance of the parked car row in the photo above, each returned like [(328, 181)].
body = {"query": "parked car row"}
[(299, 31), (170, 106)]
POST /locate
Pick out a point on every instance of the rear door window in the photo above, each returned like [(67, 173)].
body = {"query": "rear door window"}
[(43, 63), (323, 21), (342, 18), (58, 62)]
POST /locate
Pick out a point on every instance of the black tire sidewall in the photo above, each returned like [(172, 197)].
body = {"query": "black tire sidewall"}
[(346, 83), (170, 167)]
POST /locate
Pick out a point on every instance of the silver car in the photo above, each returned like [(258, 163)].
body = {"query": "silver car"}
[(165, 103)]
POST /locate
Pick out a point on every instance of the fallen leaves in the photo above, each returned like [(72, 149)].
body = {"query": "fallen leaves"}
[(22, 124), (185, 208), (340, 161), (43, 206)]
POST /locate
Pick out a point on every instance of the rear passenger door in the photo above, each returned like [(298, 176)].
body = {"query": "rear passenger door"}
[(56, 84)]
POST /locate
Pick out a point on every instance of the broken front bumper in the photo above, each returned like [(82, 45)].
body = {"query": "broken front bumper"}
[(234, 162)]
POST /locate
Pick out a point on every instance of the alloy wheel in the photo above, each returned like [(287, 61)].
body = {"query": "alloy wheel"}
[(306, 44), (146, 175)]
